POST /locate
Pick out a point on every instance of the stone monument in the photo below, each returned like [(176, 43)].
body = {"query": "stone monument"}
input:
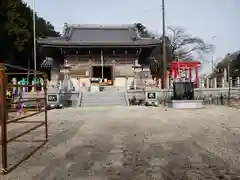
[(183, 96)]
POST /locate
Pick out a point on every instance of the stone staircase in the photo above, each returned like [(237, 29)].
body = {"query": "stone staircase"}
[(110, 89), (108, 97)]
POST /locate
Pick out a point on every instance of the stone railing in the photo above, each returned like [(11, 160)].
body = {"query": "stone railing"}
[(217, 96), (214, 83), (198, 92)]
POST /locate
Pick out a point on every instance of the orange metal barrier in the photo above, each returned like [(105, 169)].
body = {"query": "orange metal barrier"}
[(8, 106)]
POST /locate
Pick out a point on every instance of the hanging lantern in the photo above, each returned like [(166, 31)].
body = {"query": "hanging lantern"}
[(114, 52), (125, 52)]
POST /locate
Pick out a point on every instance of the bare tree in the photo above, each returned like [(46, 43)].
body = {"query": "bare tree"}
[(178, 43), (181, 44), (186, 46)]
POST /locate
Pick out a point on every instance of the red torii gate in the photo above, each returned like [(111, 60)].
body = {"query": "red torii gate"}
[(185, 65)]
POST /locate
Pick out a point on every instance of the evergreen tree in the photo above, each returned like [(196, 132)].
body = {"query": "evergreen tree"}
[(16, 33)]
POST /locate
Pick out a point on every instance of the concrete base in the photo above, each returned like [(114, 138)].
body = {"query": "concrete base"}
[(185, 104), (94, 88)]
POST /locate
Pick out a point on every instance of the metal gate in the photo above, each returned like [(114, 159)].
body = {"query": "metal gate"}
[(7, 106)]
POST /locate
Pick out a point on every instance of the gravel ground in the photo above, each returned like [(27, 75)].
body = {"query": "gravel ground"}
[(133, 143)]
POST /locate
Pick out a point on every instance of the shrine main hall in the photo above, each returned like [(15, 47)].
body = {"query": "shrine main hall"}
[(102, 51)]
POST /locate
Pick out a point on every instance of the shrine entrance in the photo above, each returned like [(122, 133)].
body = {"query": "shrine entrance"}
[(182, 71), (107, 72)]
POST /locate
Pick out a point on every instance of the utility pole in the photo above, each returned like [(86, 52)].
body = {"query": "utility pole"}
[(164, 47), (229, 78), (28, 74), (102, 66), (213, 64), (34, 43)]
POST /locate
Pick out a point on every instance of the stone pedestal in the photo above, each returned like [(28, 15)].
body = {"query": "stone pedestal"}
[(94, 88), (185, 104)]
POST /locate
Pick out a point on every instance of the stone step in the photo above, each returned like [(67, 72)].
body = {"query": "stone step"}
[(103, 103), (107, 98), (97, 105), (103, 100), (104, 95), (110, 89), (118, 101)]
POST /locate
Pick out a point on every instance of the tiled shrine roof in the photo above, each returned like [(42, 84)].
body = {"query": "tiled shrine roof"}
[(47, 63), (99, 35)]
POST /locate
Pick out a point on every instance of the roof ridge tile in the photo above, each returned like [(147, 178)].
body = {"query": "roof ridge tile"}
[(110, 26)]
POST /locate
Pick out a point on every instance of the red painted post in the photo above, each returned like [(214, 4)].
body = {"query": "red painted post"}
[(197, 76), (190, 73)]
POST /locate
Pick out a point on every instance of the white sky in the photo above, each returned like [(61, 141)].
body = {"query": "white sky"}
[(205, 18)]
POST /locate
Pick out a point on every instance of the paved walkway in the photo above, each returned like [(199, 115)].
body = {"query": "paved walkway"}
[(134, 143)]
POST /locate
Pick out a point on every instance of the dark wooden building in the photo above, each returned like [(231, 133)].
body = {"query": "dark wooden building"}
[(101, 51)]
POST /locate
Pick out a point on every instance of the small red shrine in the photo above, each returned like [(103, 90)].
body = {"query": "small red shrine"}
[(177, 67)]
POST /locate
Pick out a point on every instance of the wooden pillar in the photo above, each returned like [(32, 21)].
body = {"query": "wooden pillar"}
[(77, 53), (90, 69), (125, 56), (102, 64), (113, 67)]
